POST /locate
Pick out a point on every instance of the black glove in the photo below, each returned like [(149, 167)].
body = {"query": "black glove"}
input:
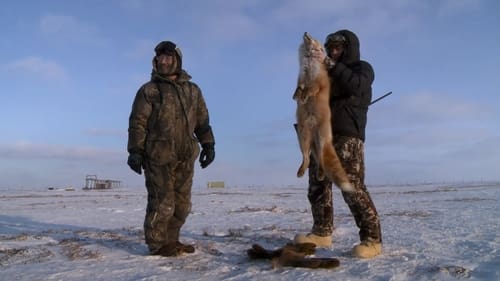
[(207, 154), (135, 162)]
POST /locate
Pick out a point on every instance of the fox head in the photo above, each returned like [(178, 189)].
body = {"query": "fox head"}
[(310, 66), (310, 45)]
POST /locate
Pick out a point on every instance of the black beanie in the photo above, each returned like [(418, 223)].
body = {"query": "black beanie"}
[(165, 47)]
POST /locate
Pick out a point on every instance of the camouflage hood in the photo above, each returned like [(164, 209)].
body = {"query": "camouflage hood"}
[(183, 77), (351, 49)]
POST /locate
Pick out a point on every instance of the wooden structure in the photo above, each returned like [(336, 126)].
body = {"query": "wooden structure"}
[(92, 182)]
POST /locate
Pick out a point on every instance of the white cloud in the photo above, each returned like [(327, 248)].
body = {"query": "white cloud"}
[(35, 165), (428, 136), (143, 5), (106, 132), (365, 17), (428, 109), (66, 29), (27, 150), (457, 7), (437, 108), (141, 49), (230, 27), (298, 10), (428, 122), (222, 22), (39, 67)]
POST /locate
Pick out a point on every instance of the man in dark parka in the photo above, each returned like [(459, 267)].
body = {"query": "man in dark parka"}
[(351, 94)]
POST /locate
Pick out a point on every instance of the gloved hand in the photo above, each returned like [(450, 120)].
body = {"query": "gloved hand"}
[(135, 162), (320, 54), (207, 154)]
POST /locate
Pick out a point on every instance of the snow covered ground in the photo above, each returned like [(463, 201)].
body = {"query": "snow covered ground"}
[(431, 232)]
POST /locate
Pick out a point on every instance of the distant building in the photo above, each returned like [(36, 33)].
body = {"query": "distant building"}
[(92, 182), (215, 184)]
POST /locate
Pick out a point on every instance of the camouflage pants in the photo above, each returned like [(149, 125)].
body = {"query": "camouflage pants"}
[(169, 201), (351, 153)]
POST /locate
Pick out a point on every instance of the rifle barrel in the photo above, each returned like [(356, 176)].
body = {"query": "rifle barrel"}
[(380, 98)]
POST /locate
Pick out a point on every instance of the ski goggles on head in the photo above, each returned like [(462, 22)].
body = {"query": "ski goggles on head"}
[(335, 39)]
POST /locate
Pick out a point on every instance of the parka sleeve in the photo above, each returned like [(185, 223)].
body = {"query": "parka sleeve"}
[(138, 120), (203, 130), (356, 82)]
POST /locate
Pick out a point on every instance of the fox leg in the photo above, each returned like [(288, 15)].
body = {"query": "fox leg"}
[(329, 160), (298, 92), (321, 172), (314, 90), (305, 138), (318, 157), (321, 139), (334, 170)]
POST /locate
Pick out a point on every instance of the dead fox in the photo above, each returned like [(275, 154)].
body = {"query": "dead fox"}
[(293, 255), (314, 116)]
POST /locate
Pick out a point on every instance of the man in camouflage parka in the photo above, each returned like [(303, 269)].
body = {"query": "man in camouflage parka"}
[(351, 94), (169, 118)]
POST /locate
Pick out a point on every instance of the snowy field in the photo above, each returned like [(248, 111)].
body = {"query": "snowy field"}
[(430, 232)]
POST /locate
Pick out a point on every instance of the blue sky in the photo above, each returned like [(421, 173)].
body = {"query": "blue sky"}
[(69, 71)]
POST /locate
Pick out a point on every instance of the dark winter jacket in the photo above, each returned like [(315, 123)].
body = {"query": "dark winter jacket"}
[(351, 90), (168, 119)]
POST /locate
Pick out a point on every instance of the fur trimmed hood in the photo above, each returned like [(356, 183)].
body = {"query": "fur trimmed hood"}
[(351, 49)]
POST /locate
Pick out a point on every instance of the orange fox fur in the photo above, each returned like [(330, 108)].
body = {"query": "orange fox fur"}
[(314, 116)]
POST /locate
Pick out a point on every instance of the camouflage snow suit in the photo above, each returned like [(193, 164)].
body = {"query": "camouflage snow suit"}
[(351, 94), (168, 120)]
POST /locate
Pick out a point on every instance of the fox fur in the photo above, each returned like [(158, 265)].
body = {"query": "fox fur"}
[(293, 255), (314, 117)]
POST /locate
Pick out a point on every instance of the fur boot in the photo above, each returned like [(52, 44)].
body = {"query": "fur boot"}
[(319, 241), (367, 249)]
